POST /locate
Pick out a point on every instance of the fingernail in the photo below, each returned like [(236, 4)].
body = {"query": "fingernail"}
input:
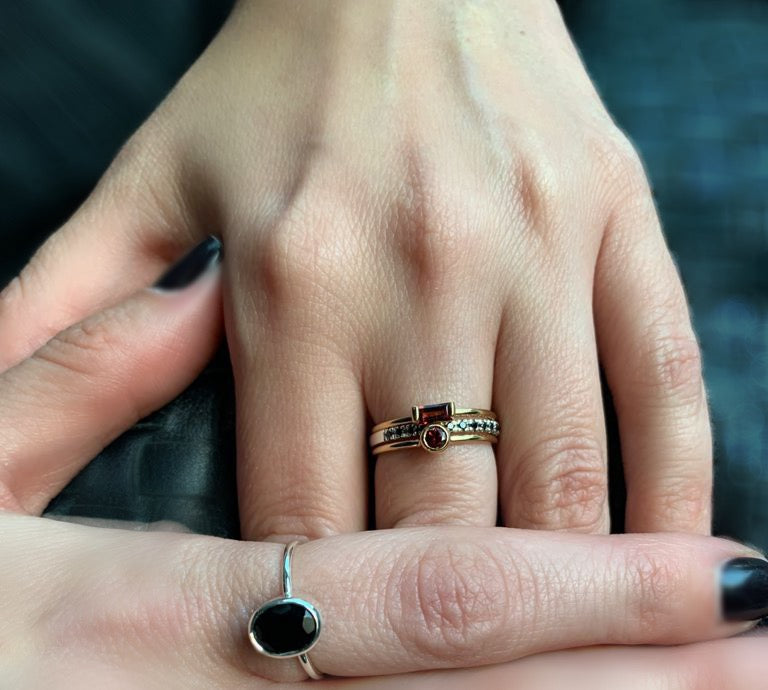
[(191, 266), (744, 583)]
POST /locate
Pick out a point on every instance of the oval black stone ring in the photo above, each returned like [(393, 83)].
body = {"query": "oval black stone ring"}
[(287, 626)]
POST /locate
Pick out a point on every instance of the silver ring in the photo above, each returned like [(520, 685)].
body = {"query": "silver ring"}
[(287, 626)]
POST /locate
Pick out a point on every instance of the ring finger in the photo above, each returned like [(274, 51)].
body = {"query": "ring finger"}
[(458, 484)]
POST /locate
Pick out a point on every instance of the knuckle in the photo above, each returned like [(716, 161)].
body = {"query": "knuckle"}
[(152, 186), (685, 501), (531, 187), (655, 581), (620, 163), (674, 363), (429, 251), (76, 348), (430, 231), (453, 600), (298, 259), (537, 188), (563, 485), (142, 156)]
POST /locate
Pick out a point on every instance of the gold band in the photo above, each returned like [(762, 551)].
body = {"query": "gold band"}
[(434, 428)]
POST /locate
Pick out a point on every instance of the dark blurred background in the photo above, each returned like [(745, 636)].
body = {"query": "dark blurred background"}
[(686, 79)]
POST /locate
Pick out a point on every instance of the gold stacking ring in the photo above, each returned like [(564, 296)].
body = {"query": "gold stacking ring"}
[(434, 428)]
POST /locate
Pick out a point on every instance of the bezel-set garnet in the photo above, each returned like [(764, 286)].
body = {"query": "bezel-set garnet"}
[(434, 427), (434, 437)]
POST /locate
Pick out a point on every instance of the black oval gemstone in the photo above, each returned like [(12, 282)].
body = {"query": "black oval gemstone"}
[(285, 627)]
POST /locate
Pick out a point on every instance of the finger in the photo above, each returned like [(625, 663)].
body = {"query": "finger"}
[(118, 241), (302, 469), (736, 664), (91, 382), (653, 367), (434, 362), (391, 601), (552, 449), (458, 597)]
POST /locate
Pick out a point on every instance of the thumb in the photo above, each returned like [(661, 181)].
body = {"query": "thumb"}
[(99, 377)]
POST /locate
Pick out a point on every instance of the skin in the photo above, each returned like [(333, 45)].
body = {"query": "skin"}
[(104, 607), (419, 202)]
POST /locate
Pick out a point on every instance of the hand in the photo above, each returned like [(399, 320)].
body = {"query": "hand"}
[(420, 202), (94, 607)]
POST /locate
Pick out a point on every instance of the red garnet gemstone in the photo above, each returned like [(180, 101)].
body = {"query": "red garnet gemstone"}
[(435, 437)]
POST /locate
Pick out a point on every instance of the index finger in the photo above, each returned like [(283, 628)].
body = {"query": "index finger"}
[(390, 601)]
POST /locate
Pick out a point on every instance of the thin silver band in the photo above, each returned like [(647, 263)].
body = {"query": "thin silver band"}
[(306, 664)]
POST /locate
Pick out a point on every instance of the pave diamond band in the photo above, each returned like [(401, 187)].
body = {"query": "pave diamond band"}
[(485, 426), (434, 428)]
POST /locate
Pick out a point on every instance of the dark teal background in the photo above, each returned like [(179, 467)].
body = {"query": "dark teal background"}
[(687, 80)]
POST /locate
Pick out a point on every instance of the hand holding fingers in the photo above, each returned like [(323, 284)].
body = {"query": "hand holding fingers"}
[(404, 236), (391, 601)]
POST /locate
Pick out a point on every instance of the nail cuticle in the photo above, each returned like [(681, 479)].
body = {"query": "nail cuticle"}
[(192, 266)]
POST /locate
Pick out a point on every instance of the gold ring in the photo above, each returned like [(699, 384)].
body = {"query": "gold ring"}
[(434, 428)]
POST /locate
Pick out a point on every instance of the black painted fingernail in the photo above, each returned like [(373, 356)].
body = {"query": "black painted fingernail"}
[(191, 266), (744, 583)]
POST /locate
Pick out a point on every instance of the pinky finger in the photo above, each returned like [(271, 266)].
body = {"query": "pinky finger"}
[(652, 362), (62, 405)]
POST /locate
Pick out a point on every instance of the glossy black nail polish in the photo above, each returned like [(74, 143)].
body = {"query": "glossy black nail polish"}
[(744, 583), (191, 266)]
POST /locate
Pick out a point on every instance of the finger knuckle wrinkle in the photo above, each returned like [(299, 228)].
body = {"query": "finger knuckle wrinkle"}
[(676, 365), (453, 600), (76, 348), (655, 580), (565, 486), (685, 500)]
